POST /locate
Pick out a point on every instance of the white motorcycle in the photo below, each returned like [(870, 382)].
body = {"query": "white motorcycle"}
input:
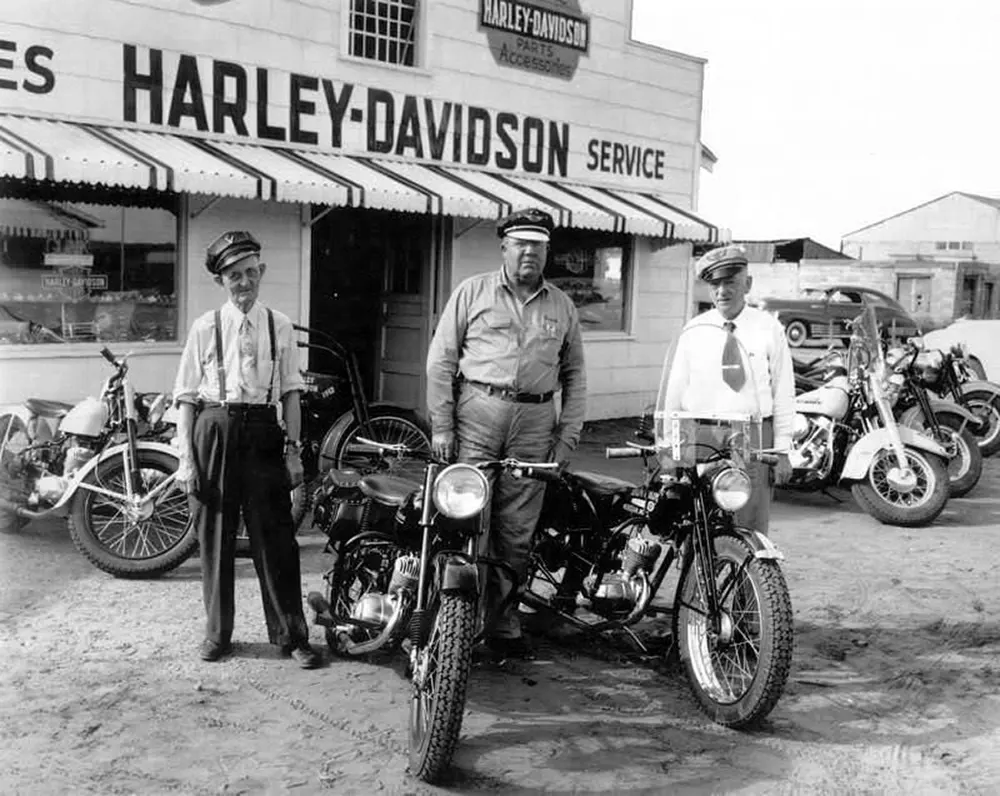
[(104, 463)]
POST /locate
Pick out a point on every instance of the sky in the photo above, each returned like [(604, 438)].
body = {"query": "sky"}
[(828, 115)]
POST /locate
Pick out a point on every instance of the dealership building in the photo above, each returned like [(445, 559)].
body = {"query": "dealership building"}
[(371, 145)]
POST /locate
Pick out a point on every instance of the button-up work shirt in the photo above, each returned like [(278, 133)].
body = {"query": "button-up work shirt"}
[(198, 377), (487, 334), (695, 381)]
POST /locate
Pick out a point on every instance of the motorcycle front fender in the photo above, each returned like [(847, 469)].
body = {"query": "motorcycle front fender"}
[(980, 386), (459, 575), (103, 456), (762, 546), (861, 454)]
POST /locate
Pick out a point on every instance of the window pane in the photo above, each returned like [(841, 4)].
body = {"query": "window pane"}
[(111, 277), (383, 30), (593, 269)]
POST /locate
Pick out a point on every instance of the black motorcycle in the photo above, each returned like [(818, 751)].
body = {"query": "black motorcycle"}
[(406, 575)]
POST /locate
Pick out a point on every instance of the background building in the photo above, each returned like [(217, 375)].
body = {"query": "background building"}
[(370, 145)]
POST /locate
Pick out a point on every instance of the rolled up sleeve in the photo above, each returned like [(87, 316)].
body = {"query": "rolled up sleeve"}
[(289, 370), (573, 380), (189, 372)]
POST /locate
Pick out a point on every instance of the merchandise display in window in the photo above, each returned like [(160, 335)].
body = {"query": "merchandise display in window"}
[(86, 273), (593, 270)]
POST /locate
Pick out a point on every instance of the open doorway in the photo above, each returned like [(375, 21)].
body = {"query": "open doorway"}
[(365, 264)]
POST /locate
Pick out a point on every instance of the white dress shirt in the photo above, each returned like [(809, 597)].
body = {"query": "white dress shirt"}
[(198, 377), (695, 381)]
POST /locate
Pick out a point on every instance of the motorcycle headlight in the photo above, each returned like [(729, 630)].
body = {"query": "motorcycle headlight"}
[(461, 491), (731, 489)]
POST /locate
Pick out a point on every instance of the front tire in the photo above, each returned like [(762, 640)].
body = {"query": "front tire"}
[(738, 674), (438, 700), (137, 546), (797, 333), (919, 507), (966, 467), (986, 405)]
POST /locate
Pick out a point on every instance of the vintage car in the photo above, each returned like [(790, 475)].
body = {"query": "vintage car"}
[(979, 337), (824, 313)]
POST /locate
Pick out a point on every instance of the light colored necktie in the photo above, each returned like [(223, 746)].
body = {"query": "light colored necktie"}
[(248, 358), (732, 363)]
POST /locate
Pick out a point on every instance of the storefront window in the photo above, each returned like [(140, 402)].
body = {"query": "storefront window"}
[(78, 272), (384, 30), (594, 269)]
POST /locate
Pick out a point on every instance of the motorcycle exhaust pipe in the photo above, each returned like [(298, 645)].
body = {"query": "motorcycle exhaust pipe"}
[(360, 648), (22, 511)]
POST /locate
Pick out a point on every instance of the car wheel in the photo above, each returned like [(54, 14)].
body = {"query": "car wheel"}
[(797, 333)]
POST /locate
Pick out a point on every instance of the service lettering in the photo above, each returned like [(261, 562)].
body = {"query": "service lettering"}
[(632, 160)]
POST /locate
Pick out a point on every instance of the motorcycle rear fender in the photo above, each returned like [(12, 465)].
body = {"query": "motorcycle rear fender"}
[(859, 458), (108, 453), (980, 386), (459, 575), (762, 547)]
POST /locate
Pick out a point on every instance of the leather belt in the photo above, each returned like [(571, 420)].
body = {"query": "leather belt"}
[(512, 396), (245, 411)]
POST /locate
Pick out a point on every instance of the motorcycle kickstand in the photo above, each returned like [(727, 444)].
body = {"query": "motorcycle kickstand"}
[(642, 648)]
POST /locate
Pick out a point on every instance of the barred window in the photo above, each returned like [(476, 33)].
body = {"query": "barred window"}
[(384, 30)]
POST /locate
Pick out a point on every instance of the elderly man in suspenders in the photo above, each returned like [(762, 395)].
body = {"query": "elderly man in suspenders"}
[(237, 362)]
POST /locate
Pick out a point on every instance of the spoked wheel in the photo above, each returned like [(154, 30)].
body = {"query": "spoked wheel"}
[(737, 663), (342, 449), (13, 490), (440, 677), (987, 407), (363, 568), (965, 465), (133, 540), (881, 496)]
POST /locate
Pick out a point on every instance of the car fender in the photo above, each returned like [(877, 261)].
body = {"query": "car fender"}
[(859, 457), (459, 575)]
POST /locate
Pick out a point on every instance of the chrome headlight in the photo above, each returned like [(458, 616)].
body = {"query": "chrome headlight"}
[(461, 491), (731, 489)]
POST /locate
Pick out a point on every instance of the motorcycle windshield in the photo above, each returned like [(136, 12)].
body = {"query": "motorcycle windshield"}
[(708, 405), (866, 343)]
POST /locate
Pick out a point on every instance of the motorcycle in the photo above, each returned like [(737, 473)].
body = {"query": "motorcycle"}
[(845, 431), (102, 464), (604, 546), (979, 396), (406, 575), (947, 421)]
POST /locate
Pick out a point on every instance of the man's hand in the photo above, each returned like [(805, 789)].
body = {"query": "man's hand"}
[(443, 445), (782, 470), (185, 475), (293, 463), (559, 452)]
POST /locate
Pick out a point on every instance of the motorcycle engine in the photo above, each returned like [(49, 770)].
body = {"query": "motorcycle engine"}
[(813, 444), (619, 591)]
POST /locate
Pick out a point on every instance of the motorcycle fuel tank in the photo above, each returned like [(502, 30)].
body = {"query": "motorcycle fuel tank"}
[(86, 419), (830, 400)]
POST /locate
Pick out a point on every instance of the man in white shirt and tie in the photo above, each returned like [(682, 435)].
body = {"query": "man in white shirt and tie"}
[(238, 362), (719, 382)]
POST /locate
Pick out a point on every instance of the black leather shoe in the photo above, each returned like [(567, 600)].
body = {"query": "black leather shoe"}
[(213, 650), (303, 654)]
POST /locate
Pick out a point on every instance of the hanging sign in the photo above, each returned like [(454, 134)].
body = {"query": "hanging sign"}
[(546, 37)]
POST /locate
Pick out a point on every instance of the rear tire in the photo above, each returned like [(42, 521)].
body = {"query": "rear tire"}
[(739, 676), (966, 467), (389, 425), (986, 405), (139, 548), (436, 708), (877, 497), (797, 333)]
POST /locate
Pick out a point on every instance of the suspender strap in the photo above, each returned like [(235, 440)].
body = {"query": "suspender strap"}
[(219, 359), (274, 353)]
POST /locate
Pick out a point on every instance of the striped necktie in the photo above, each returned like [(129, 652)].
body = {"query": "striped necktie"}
[(248, 358), (732, 363)]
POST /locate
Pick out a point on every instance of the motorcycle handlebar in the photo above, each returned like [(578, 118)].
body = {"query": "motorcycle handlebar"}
[(623, 453), (106, 353), (540, 471)]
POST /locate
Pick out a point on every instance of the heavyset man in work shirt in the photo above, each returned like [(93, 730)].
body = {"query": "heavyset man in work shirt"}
[(505, 343), (758, 379)]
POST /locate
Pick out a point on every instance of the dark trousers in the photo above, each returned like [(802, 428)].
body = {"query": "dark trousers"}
[(239, 464)]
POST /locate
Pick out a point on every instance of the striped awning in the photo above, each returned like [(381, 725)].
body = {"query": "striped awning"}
[(44, 149), (23, 217)]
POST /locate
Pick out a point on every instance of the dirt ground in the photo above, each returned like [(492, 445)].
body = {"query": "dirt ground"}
[(895, 687)]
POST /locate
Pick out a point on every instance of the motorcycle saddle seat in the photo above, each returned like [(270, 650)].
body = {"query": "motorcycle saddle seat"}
[(387, 489), (602, 485), (43, 408)]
